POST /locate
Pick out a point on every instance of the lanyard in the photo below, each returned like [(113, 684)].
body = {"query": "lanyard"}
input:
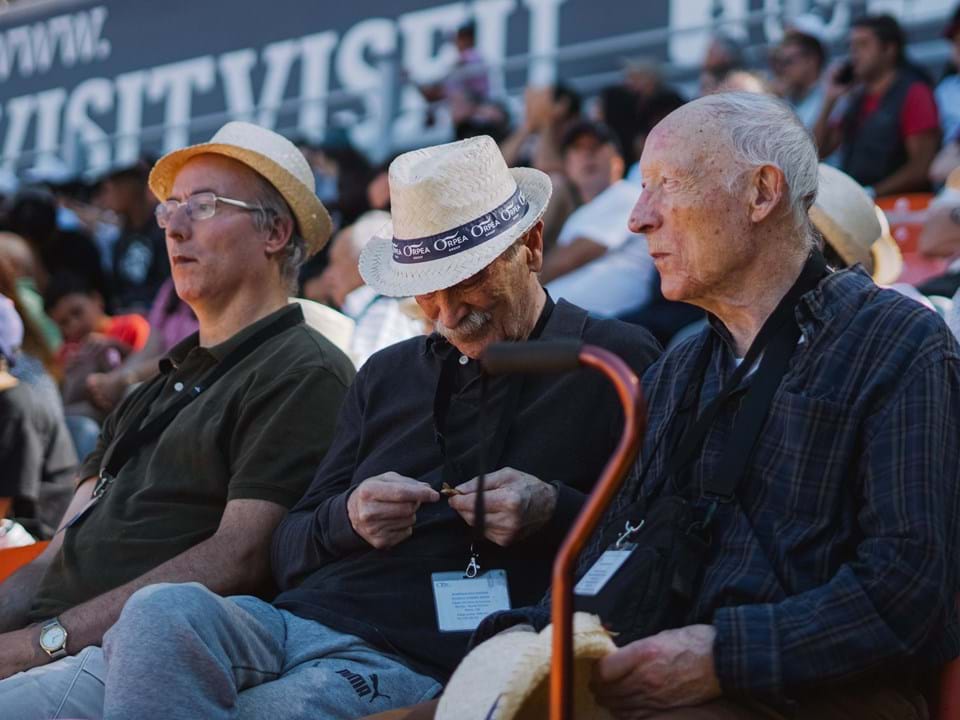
[(490, 447), (136, 437), (775, 341)]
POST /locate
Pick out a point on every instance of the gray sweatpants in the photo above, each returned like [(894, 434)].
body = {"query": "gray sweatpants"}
[(182, 652)]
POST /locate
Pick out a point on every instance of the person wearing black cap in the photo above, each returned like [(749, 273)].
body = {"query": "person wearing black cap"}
[(593, 162)]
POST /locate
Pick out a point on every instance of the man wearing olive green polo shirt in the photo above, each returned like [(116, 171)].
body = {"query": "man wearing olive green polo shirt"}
[(197, 467)]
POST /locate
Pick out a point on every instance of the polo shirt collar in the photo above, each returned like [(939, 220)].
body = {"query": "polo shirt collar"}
[(179, 352)]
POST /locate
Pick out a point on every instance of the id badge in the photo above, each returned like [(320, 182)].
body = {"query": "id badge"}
[(603, 569), (463, 602)]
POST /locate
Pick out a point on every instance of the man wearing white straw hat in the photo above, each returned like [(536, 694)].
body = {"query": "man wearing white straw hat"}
[(787, 544), (382, 575), (195, 469)]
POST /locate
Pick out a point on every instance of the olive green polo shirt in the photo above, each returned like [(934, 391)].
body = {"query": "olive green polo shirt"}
[(259, 432)]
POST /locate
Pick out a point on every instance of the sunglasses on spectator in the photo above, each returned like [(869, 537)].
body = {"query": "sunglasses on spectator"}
[(200, 206)]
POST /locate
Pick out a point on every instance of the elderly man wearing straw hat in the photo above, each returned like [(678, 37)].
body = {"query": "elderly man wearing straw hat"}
[(383, 574), (787, 544), (197, 467)]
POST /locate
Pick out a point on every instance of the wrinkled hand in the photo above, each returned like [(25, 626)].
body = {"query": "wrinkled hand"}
[(671, 669), (383, 509), (20, 650), (515, 504)]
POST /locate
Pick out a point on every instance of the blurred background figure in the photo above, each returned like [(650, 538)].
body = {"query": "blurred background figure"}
[(93, 342), (140, 263), (947, 94), (468, 83), (723, 56), (380, 320), (36, 454), (797, 64), (889, 131)]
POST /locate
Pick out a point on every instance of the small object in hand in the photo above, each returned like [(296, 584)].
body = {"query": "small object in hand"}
[(447, 490)]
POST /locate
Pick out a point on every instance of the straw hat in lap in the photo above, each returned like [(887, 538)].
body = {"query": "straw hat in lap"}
[(508, 676), (854, 227), (455, 208), (270, 155)]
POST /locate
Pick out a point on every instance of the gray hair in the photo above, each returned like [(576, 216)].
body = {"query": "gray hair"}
[(764, 131), (273, 206)]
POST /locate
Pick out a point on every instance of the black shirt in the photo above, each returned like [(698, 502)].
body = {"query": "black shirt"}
[(140, 265), (564, 430)]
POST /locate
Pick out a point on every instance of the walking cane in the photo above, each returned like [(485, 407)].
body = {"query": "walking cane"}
[(565, 356)]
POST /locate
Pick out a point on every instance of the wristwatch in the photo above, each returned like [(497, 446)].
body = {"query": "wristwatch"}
[(53, 639)]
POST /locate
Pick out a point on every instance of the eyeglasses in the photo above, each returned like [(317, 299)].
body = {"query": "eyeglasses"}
[(201, 206)]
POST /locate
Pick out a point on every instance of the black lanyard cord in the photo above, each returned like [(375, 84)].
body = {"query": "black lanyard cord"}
[(136, 437)]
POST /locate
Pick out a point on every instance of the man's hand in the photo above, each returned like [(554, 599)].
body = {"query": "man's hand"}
[(515, 504), (671, 669), (383, 509), (20, 650)]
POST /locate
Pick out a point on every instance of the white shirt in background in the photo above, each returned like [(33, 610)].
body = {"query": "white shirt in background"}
[(380, 323), (620, 279)]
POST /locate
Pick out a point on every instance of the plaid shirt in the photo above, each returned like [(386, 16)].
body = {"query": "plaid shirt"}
[(838, 557)]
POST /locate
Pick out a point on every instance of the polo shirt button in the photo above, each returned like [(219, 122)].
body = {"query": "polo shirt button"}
[(178, 386), (464, 359)]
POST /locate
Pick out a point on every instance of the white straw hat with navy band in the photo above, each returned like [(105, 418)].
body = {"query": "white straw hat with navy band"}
[(455, 208)]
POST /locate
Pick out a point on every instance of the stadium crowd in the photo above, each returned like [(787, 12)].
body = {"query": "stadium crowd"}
[(242, 381)]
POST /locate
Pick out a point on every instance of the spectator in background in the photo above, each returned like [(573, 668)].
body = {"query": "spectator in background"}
[(140, 263), (947, 94), (797, 64), (36, 454), (379, 319), (890, 131), (549, 113), (468, 82), (32, 214), (23, 265), (654, 100), (171, 320), (78, 310), (598, 263), (341, 173), (723, 56)]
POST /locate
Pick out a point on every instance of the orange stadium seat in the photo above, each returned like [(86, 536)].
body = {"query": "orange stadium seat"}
[(11, 559), (906, 215)]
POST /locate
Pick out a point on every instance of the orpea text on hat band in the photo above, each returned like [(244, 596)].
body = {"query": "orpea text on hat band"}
[(494, 223)]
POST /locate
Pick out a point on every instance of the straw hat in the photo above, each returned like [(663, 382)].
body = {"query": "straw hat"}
[(455, 208), (270, 155), (887, 258), (508, 677), (846, 217)]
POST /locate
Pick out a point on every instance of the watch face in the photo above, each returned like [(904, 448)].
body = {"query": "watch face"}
[(53, 638)]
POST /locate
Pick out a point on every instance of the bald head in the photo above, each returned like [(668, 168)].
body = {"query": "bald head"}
[(734, 132)]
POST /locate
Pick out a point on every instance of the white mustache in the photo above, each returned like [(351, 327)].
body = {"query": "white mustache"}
[(471, 325)]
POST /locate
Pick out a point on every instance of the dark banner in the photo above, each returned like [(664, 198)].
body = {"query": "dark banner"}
[(93, 83)]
